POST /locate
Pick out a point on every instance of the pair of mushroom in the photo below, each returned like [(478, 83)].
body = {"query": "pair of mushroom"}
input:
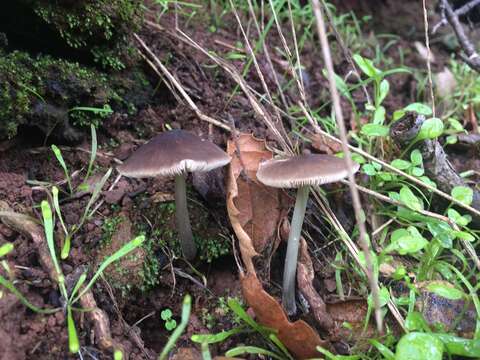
[(177, 152)]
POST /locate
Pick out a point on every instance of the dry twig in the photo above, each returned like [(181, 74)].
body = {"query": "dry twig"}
[(357, 206)]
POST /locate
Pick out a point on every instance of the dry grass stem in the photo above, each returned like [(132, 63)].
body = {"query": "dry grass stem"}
[(357, 206)]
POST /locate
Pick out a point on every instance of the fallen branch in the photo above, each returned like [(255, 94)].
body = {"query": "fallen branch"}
[(471, 56)]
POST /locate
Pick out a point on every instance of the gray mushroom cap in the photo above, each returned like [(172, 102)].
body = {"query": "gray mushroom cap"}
[(172, 153), (303, 170)]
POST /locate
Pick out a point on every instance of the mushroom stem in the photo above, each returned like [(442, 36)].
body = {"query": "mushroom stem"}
[(184, 229), (290, 270)]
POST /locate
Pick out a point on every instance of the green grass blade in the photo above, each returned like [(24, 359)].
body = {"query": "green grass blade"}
[(10, 287), (215, 338), (96, 193), (73, 343), (56, 205), (58, 155), (66, 248), (48, 226), (124, 250), (240, 350), (78, 285), (93, 153), (187, 306), (5, 249)]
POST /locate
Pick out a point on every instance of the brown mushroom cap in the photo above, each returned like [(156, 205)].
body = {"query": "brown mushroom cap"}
[(303, 170), (172, 153)]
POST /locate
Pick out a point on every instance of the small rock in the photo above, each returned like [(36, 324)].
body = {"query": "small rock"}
[(113, 196)]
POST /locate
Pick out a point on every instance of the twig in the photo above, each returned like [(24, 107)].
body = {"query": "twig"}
[(429, 56), (458, 12), (471, 56), (357, 206)]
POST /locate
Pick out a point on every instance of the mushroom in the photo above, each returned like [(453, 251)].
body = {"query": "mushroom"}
[(299, 172), (174, 153)]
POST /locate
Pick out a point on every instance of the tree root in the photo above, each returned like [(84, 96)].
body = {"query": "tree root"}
[(29, 227)]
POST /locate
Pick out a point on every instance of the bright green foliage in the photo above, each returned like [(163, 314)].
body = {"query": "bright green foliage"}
[(167, 316), (419, 346), (103, 27)]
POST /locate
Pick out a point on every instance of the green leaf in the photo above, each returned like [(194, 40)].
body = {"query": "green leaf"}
[(463, 194), (419, 346), (463, 235), (455, 125), (359, 159), (431, 129), (379, 115), (366, 66), (186, 308), (5, 249), (375, 130), (58, 155), (417, 171), (409, 199), (398, 114), (460, 346), (419, 108), (442, 232), (401, 164), (170, 324), (166, 314), (215, 338), (451, 139), (369, 169), (443, 290), (406, 241), (240, 350), (73, 343), (415, 321), (416, 157), (384, 88), (457, 218)]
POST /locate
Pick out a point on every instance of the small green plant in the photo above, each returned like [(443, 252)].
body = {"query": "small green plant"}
[(186, 308), (70, 299), (274, 347), (170, 323)]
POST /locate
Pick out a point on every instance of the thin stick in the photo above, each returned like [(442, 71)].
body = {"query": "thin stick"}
[(357, 206), (429, 56)]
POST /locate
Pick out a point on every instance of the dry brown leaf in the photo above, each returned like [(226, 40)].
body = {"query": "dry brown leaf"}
[(305, 275), (299, 338), (325, 145), (254, 209)]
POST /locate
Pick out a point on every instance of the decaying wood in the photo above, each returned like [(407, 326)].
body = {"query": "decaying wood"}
[(435, 160)]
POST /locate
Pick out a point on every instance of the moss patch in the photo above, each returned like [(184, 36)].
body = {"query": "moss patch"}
[(40, 91), (103, 27)]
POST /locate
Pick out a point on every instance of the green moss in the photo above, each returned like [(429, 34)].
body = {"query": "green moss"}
[(210, 242), (40, 91), (103, 27)]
